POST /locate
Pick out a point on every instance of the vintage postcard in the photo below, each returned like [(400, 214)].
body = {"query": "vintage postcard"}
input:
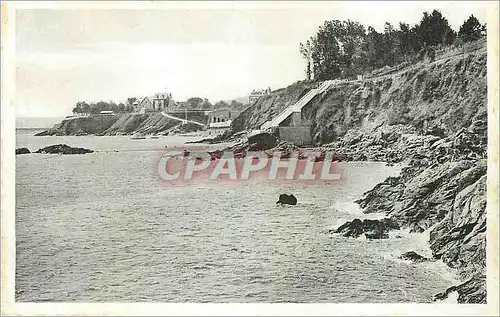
[(249, 158)]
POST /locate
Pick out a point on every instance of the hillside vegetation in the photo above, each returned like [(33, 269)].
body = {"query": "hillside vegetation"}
[(444, 95)]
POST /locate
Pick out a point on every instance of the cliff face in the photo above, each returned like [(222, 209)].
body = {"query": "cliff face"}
[(149, 123), (443, 96)]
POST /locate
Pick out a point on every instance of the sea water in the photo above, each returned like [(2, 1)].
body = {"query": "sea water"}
[(103, 227)]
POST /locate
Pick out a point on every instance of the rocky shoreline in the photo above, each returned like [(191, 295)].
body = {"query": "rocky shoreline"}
[(431, 117), (442, 188)]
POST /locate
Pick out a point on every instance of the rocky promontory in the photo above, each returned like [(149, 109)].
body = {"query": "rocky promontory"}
[(121, 124), (371, 229), (63, 149), (22, 150)]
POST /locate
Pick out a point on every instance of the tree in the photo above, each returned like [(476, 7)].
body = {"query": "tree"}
[(206, 104), (236, 105), (351, 38), (335, 50), (131, 100), (389, 44), (306, 51), (85, 108), (471, 29), (77, 109), (194, 102), (121, 107), (81, 107), (416, 41), (342, 49), (434, 29), (405, 38), (373, 47), (326, 51), (221, 104)]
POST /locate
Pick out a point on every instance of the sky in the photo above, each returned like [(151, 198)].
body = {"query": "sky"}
[(217, 51)]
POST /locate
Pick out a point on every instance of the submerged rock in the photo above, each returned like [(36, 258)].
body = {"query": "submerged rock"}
[(413, 256), (63, 149), (372, 229), (287, 199), (22, 150)]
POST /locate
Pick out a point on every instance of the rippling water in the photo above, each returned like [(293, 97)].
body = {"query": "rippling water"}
[(102, 227)]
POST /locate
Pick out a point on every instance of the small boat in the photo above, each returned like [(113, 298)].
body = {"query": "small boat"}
[(155, 137), (138, 136)]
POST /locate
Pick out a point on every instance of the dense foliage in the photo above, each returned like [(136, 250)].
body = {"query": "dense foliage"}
[(344, 49), (83, 107)]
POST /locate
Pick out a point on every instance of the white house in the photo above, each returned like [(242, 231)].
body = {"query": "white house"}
[(143, 105), (161, 101)]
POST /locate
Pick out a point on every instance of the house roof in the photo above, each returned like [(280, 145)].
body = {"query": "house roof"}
[(139, 101)]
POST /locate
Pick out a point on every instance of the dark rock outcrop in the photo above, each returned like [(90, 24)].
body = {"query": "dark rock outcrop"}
[(287, 199), (382, 196), (372, 229), (22, 150), (472, 291), (459, 239), (63, 149), (451, 198), (261, 142), (413, 256)]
